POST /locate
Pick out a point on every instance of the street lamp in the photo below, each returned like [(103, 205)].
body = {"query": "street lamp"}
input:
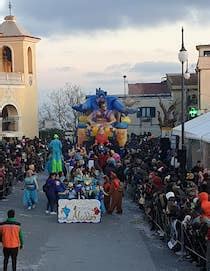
[(183, 58), (124, 77)]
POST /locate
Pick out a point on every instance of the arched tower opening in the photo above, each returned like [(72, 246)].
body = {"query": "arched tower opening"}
[(9, 118), (7, 59), (30, 63)]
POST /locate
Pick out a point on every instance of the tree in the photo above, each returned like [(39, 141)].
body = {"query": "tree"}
[(169, 115), (58, 107)]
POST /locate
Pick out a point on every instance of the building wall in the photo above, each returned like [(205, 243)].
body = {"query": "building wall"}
[(141, 125), (205, 89), (203, 67), (21, 91)]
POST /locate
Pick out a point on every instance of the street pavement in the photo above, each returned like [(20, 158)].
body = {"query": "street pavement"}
[(118, 243)]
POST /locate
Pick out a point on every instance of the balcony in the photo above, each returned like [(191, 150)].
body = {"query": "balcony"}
[(11, 78), (10, 124)]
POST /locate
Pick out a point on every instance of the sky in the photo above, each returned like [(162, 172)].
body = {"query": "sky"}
[(94, 43)]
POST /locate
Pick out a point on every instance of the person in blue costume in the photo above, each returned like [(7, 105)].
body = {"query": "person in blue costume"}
[(55, 148), (30, 195), (100, 196)]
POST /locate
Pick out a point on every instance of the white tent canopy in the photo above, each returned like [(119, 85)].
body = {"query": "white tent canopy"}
[(197, 128)]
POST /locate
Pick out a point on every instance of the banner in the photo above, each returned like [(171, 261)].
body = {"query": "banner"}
[(75, 210)]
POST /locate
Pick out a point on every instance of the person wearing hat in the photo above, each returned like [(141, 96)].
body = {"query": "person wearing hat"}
[(55, 148)]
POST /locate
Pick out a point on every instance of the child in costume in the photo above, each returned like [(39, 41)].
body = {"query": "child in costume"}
[(79, 189), (100, 196), (72, 193), (78, 176), (88, 190), (61, 189)]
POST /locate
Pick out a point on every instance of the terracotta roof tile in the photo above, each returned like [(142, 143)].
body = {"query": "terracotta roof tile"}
[(148, 88), (175, 79)]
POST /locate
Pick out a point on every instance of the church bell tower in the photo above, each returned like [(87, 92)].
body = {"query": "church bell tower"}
[(18, 83)]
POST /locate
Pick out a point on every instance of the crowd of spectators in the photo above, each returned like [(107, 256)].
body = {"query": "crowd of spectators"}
[(177, 208), (15, 158)]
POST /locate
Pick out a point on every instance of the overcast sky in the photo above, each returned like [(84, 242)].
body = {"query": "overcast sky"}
[(93, 43)]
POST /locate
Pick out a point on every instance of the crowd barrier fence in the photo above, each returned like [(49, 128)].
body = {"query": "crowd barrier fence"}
[(164, 228)]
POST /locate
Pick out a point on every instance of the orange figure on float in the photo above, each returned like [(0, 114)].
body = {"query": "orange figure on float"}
[(101, 137)]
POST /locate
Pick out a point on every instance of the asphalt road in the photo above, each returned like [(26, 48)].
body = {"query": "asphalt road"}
[(118, 243)]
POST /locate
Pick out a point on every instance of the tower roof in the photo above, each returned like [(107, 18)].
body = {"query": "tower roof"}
[(9, 28)]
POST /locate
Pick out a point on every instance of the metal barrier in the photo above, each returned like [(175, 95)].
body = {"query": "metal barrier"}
[(155, 218)]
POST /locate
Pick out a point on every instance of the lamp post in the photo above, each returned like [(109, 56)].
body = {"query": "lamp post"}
[(183, 58), (124, 77)]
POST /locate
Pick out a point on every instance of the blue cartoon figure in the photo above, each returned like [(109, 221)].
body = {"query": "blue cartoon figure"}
[(66, 212)]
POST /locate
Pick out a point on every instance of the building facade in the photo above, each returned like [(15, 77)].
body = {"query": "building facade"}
[(18, 83), (147, 97), (174, 83), (203, 69)]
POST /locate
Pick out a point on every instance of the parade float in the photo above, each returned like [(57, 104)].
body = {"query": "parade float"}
[(103, 117)]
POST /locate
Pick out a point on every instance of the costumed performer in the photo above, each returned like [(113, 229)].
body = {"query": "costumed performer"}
[(55, 147)]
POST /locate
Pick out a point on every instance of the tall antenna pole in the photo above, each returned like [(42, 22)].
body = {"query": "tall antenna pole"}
[(10, 8)]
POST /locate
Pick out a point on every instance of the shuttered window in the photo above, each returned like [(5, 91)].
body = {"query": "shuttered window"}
[(146, 112)]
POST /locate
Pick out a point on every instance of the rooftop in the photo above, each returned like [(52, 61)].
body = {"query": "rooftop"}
[(198, 47), (148, 88), (9, 28), (175, 79)]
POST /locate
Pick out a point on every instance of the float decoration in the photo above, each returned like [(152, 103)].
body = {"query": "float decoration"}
[(103, 116)]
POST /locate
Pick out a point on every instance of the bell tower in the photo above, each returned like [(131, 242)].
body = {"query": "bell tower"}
[(18, 83)]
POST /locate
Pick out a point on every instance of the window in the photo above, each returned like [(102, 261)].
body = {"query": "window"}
[(30, 69), (192, 100), (206, 53), (146, 112), (7, 59)]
